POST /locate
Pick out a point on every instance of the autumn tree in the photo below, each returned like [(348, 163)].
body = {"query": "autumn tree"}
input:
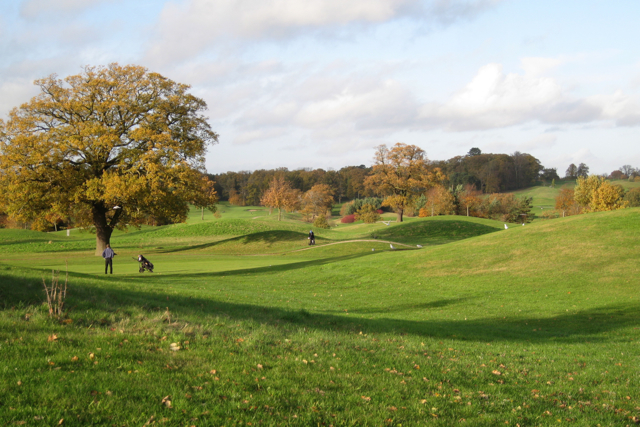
[(317, 201), (280, 195), (608, 197), (469, 197), (440, 201), (596, 194), (110, 146), (400, 173), (566, 202)]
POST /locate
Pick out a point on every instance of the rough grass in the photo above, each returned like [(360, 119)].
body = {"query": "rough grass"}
[(535, 325)]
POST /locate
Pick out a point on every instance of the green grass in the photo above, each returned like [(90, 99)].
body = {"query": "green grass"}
[(535, 325)]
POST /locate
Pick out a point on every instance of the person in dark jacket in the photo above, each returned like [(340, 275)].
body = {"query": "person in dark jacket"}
[(312, 238), (108, 255)]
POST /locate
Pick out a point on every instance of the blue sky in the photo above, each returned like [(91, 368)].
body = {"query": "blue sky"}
[(320, 83)]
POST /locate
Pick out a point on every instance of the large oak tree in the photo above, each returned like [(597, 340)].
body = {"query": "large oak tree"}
[(109, 147)]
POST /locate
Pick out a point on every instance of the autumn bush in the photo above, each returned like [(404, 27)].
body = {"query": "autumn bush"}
[(321, 222), (368, 214), (355, 205), (596, 194), (348, 219)]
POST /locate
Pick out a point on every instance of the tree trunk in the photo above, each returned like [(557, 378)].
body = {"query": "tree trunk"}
[(103, 229), (467, 210), (399, 213), (279, 214)]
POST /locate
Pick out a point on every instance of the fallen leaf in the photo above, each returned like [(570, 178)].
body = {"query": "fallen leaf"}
[(19, 382), (52, 337), (166, 401), (92, 356), (366, 398), (61, 421), (174, 346), (259, 366), (74, 359), (496, 372)]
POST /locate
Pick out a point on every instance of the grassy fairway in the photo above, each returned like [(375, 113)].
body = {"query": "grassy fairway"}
[(535, 325)]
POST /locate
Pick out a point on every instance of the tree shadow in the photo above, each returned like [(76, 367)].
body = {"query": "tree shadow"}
[(435, 231), (593, 325), (404, 307), (266, 269), (264, 237)]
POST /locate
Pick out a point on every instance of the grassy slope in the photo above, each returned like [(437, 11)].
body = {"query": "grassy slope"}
[(504, 326), (545, 196)]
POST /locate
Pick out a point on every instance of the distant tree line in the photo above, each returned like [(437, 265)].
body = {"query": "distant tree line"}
[(489, 173)]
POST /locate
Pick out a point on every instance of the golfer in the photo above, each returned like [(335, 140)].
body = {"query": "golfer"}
[(108, 255)]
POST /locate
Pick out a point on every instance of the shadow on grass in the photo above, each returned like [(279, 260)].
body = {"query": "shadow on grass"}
[(436, 231), (278, 268), (264, 237), (594, 325)]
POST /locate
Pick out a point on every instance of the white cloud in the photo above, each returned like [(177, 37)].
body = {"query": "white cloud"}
[(187, 28), (36, 8), (494, 99), (620, 108)]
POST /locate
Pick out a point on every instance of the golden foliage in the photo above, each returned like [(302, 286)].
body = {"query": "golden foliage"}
[(566, 202), (368, 214), (608, 197), (317, 201), (281, 195), (597, 194), (110, 136), (400, 173), (440, 201)]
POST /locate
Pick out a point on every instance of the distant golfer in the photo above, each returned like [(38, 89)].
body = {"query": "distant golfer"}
[(108, 255), (312, 238)]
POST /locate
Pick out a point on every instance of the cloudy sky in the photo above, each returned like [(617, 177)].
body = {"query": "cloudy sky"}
[(319, 83)]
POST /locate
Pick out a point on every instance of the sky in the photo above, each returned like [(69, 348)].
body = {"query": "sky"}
[(321, 83)]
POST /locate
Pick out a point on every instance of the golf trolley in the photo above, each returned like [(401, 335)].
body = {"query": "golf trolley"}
[(145, 264)]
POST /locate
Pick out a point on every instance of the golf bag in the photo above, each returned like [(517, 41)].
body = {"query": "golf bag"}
[(145, 264)]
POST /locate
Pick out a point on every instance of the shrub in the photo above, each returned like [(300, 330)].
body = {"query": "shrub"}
[(348, 219), (344, 210), (368, 214), (633, 197), (321, 222), (354, 206), (549, 214)]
